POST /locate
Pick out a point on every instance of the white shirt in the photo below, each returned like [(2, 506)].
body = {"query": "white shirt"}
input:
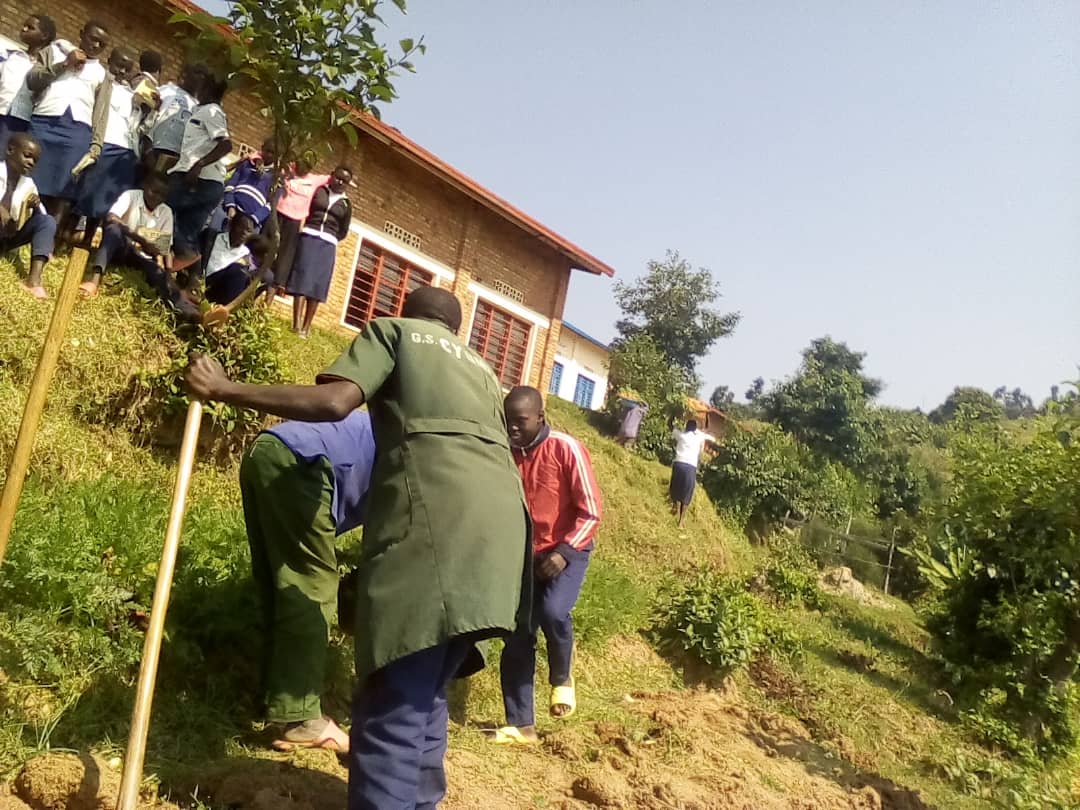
[(167, 131), (204, 129), (222, 254), (23, 189), (123, 117), (73, 91), (688, 445), (156, 225), (12, 77)]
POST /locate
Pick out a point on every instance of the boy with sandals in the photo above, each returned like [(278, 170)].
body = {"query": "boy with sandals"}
[(565, 504)]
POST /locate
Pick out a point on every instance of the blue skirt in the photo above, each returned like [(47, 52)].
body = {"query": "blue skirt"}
[(313, 268), (683, 482), (63, 141), (102, 184)]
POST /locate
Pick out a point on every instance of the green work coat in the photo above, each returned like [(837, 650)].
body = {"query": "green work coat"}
[(446, 548)]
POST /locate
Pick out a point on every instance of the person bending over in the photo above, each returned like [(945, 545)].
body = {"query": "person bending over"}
[(445, 560), (303, 484)]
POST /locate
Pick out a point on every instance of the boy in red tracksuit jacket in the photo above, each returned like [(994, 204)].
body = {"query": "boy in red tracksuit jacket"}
[(565, 504)]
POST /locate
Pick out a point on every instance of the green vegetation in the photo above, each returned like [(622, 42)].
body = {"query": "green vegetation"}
[(310, 64), (865, 680)]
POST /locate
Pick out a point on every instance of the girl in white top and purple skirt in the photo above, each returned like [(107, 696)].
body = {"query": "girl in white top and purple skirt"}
[(112, 162), (63, 120)]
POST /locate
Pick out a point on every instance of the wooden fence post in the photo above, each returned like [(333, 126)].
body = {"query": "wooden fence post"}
[(888, 567)]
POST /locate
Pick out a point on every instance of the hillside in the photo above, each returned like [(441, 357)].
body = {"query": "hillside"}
[(849, 719)]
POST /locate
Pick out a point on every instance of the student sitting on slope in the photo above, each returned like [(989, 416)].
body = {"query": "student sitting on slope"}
[(23, 220), (138, 232)]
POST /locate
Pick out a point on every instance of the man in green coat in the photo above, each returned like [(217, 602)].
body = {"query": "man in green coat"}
[(446, 550)]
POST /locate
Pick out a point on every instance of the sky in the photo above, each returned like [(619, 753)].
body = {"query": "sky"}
[(904, 177)]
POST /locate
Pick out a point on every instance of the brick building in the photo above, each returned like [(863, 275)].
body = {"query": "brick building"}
[(417, 219)]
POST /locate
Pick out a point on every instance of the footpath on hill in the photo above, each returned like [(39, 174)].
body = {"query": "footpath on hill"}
[(851, 723)]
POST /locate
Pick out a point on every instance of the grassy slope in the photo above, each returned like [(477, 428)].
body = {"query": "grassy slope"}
[(94, 513)]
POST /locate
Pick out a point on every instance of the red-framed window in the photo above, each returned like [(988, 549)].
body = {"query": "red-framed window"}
[(502, 340), (380, 284)]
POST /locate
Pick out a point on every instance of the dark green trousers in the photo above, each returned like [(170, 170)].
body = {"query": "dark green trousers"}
[(290, 527)]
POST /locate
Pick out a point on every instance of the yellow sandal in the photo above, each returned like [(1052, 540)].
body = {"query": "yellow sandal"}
[(564, 696), (511, 735)]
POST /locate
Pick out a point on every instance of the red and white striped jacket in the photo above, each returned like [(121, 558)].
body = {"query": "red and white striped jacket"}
[(560, 490)]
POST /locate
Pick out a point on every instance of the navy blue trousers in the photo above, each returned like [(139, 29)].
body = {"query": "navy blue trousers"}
[(191, 209), (552, 603), (39, 231), (398, 736), (116, 251)]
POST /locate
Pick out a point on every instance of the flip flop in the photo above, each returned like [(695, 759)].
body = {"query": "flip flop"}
[(38, 292), (564, 696), (324, 741), (511, 735)]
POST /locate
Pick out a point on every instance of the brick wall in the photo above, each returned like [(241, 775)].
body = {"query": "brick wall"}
[(453, 229)]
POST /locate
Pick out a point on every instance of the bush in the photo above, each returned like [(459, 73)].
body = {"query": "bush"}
[(791, 575), (153, 405), (759, 475), (714, 619), (1008, 620)]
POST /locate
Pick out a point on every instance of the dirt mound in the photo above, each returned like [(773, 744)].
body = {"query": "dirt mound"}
[(698, 750), (842, 582), (68, 782)]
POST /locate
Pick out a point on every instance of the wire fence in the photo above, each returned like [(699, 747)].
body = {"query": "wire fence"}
[(869, 558)]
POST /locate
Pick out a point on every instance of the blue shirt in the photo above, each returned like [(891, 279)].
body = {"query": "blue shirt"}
[(349, 446)]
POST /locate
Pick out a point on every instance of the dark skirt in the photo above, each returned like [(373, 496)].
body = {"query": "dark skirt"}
[(102, 184), (64, 142), (313, 268), (288, 237), (226, 285), (683, 481), (8, 127)]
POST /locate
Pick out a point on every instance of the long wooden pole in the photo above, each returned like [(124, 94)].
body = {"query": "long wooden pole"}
[(39, 389), (144, 696)]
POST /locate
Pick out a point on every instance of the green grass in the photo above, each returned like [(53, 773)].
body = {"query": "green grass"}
[(83, 559)]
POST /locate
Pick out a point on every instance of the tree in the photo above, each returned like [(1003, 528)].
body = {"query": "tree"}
[(968, 404), (756, 389), (826, 404), (1016, 403), (722, 398), (670, 304), (312, 64)]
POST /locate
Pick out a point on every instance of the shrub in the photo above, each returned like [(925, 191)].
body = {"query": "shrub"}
[(153, 405), (761, 474), (714, 619), (791, 575), (1008, 621)]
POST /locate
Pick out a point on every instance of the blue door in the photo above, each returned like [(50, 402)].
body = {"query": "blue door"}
[(583, 391), (556, 379)]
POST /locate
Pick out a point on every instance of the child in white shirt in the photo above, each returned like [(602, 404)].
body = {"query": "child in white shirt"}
[(138, 234), (63, 119), (23, 220), (197, 181), (37, 33), (111, 165)]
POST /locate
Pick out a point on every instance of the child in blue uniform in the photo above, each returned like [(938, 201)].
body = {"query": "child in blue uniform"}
[(23, 220)]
